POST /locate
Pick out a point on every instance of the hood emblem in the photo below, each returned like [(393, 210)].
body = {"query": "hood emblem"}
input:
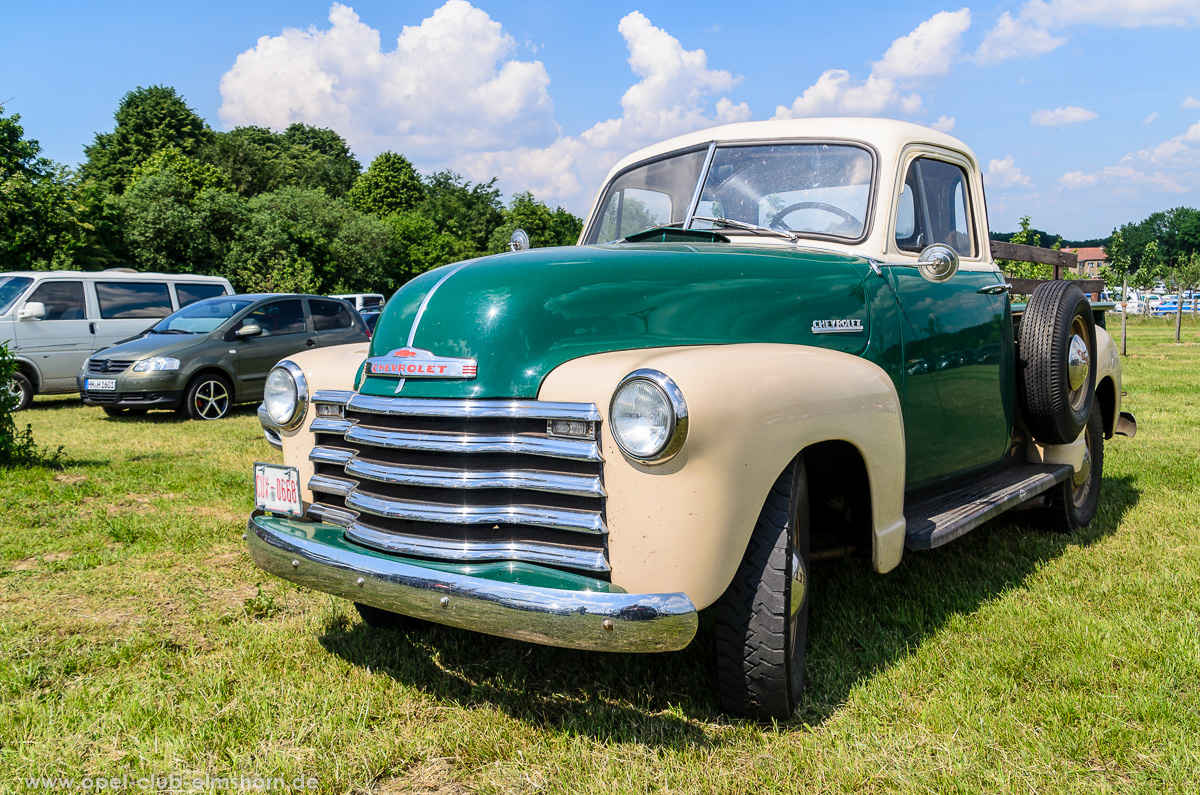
[(851, 325), (419, 363)]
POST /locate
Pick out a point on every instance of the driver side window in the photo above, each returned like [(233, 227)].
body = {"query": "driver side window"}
[(934, 208)]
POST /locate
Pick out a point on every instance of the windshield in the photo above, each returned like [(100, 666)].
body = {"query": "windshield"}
[(10, 289), (812, 189), (202, 316)]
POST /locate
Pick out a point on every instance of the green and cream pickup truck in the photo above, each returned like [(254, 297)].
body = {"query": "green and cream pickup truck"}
[(776, 342)]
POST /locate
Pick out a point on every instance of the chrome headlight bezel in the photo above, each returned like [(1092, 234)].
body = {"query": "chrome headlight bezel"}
[(299, 388), (677, 427), (154, 364)]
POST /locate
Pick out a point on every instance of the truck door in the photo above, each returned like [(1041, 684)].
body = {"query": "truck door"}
[(59, 341), (957, 340)]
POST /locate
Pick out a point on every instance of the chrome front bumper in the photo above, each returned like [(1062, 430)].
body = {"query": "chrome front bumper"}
[(315, 555)]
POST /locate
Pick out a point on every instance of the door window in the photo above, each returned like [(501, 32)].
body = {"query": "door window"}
[(278, 318), (330, 315), (119, 300), (934, 208), (63, 300)]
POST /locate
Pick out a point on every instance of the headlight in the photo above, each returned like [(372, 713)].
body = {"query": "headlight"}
[(649, 417), (156, 363), (285, 395)]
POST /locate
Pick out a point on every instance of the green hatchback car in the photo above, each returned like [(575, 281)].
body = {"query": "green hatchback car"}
[(213, 354)]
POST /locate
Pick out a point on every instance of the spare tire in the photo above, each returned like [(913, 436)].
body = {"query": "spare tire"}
[(1056, 382)]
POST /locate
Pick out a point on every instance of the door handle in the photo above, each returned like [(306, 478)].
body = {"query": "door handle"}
[(92, 327), (309, 343), (994, 289)]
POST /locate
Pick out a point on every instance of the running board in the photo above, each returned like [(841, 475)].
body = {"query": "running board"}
[(945, 517)]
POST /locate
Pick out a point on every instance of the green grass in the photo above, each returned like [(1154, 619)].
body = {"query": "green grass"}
[(136, 638)]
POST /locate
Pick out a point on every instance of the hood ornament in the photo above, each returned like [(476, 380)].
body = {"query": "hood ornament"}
[(420, 363)]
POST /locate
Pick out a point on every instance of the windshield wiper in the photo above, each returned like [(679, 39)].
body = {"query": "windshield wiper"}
[(758, 230), (171, 331)]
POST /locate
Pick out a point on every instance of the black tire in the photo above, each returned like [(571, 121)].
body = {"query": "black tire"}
[(1056, 394), (208, 397), (377, 618), (22, 389), (1072, 504), (761, 622)]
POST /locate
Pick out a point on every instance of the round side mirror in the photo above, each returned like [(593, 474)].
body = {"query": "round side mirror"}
[(519, 240), (938, 262)]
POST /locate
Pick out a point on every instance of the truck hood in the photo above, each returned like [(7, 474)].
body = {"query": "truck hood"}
[(522, 314)]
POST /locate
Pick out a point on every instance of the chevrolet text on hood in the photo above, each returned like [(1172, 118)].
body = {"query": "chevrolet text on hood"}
[(777, 343)]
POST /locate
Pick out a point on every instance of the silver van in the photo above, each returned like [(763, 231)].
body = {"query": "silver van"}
[(53, 320)]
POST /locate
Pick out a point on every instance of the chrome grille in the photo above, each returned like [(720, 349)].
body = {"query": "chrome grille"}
[(462, 480), (105, 366)]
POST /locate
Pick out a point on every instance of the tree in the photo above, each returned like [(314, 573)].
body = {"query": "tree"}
[(544, 226), (1117, 252), (252, 158), (318, 158), (39, 209), (1025, 270), (148, 119), (468, 212), (389, 185), (419, 246)]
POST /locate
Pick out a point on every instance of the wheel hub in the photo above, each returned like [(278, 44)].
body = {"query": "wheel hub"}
[(1077, 362), (799, 586), (1085, 469)]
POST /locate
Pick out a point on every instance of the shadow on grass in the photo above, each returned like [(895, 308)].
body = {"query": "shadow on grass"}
[(861, 623), (50, 403)]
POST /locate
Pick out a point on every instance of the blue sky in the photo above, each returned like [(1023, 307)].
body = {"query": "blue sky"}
[(1084, 114)]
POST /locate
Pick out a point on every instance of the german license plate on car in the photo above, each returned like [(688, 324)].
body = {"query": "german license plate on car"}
[(101, 384), (277, 489)]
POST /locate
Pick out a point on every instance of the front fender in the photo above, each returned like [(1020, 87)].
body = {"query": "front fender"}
[(334, 367), (683, 525)]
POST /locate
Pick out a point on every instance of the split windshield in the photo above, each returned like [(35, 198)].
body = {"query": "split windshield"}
[(816, 190)]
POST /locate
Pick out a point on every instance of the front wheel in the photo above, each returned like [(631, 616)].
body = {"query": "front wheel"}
[(209, 397), (762, 618), (21, 390)]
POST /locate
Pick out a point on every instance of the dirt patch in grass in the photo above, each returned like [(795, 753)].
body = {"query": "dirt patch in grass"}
[(71, 480), (29, 564), (429, 778)]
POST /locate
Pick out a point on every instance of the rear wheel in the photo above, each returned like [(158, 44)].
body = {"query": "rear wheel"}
[(208, 397), (762, 619), (1072, 504), (21, 390)]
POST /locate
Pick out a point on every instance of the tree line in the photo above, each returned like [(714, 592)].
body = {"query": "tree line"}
[(290, 211)]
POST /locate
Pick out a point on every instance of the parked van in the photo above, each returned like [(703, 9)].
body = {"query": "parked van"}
[(363, 302), (53, 320)]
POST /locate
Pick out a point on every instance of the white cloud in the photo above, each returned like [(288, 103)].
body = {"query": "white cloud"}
[(1074, 180), (944, 124), (1190, 103), (669, 99), (1153, 117), (1015, 38), (1172, 166), (1028, 34), (1005, 174), (449, 84), (1113, 13), (931, 49), (1060, 116)]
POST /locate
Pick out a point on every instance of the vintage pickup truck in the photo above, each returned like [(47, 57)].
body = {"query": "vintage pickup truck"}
[(776, 342)]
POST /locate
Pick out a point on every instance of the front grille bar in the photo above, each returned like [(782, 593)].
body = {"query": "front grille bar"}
[(472, 551), (473, 409), (440, 442), (436, 477), (528, 515)]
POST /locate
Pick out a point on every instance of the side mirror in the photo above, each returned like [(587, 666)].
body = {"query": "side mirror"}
[(249, 330), (938, 262), (519, 240), (33, 310)]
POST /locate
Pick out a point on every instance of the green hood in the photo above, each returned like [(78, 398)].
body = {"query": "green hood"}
[(520, 315)]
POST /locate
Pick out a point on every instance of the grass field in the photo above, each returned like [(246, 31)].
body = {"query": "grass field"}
[(137, 640)]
